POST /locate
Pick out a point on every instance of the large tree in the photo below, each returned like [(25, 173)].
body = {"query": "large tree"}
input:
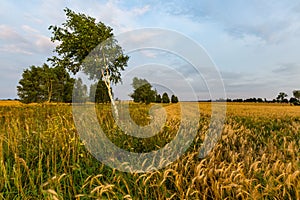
[(87, 45), (143, 92), (41, 84)]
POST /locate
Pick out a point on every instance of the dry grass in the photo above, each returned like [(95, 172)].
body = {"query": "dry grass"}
[(257, 157), (10, 103)]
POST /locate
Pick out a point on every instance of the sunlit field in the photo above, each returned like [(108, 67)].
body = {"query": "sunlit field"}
[(256, 157)]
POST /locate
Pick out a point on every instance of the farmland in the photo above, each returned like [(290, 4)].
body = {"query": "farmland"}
[(256, 157)]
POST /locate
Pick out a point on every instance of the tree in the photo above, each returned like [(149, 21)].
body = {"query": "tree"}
[(99, 93), (260, 100), (87, 45), (29, 89), (294, 100), (158, 98), (281, 97), (296, 94), (142, 91), (41, 84), (165, 98), (80, 91), (174, 99), (62, 86)]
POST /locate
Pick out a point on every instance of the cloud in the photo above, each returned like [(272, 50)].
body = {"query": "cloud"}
[(255, 44), (287, 69), (231, 76), (268, 20), (8, 33), (141, 10), (30, 41), (44, 44), (112, 13), (16, 49), (29, 29)]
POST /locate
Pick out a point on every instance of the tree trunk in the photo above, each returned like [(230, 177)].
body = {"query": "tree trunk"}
[(106, 78), (50, 92), (107, 83)]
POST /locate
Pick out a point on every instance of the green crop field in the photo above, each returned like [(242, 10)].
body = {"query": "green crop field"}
[(256, 157)]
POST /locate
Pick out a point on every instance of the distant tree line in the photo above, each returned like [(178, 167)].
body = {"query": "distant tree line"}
[(143, 93), (281, 98)]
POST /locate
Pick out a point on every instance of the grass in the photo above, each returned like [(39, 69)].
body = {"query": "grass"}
[(257, 156)]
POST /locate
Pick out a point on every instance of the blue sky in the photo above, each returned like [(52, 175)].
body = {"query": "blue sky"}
[(254, 44)]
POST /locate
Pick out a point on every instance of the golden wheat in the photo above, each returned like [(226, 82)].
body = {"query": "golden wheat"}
[(257, 156)]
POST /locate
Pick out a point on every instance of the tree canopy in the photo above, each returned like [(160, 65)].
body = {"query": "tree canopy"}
[(41, 84), (296, 94), (281, 97), (158, 98), (165, 98), (143, 92), (87, 45), (174, 99), (80, 92)]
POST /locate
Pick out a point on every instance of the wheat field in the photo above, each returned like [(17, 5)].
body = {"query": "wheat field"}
[(256, 157)]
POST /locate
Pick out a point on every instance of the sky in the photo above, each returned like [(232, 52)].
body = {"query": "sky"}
[(254, 45)]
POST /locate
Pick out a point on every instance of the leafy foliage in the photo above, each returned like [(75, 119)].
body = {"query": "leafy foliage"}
[(174, 99), (79, 92), (158, 98), (142, 91), (165, 98), (281, 97), (87, 45), (40, 84), (296, 94), (99, 93)]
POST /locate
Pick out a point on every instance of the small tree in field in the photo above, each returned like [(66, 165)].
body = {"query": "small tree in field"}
[(157, 98), (174, 99), (80, 92), (281, 97), (143, 92), (296, 94), (165, 98)]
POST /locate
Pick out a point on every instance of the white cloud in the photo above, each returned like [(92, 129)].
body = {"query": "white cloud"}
[(16, 49), (140, 11), (29, 29), (27, 41), (44, 44), (9, 33)]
